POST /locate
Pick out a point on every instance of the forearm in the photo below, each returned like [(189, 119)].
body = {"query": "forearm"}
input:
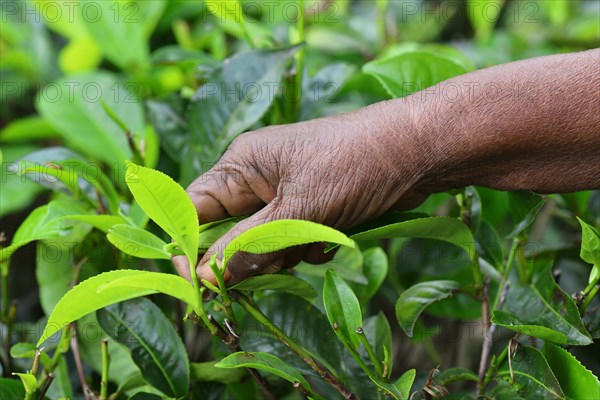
[(533, 124)]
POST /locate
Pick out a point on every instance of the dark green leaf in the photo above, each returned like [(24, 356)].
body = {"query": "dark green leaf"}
[(285, 283), (452, 375), (550, 314), (378, 332), (524, 206), (375, 268), (154, 344), (263, 361), (488, 244), (343, 309), (576, 381), (533, 377), (415, 299), (11, 389), (234, 99), (313, 333), (447, 229)]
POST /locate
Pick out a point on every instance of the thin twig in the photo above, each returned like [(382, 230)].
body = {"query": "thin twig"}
[(486, 346), (105, 365), (78, 363), (46, 385)]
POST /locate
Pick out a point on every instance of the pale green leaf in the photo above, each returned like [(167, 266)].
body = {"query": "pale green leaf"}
[(167, 204), (137, 242), (154, 282), (84, 299), (281, 234)]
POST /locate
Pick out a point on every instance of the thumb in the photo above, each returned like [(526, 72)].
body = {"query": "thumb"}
[(243, 264)]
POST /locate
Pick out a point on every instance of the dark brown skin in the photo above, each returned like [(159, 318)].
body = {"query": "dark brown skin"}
[(532, 124)]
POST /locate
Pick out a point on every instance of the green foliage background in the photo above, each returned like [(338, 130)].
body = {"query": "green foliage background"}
[(87, 85)]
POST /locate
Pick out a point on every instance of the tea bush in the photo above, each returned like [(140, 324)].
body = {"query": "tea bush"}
[(476, 294)]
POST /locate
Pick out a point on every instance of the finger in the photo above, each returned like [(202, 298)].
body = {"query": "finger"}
[(221, 193), (315, 254), (243, 264)]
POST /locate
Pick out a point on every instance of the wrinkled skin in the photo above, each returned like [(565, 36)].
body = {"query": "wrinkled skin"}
[(531, 124)]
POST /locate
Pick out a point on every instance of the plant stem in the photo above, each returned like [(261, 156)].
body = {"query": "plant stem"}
[(218, 273), (4, 287), (464, 201), (328, 376), (382, 7), (46, 385), (297, 99), (78, 363), (365, 342), (486, 346), (105, 365), (588, 298), (496, 361)]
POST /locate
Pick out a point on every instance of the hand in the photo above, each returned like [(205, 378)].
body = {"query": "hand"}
[(339, 171)]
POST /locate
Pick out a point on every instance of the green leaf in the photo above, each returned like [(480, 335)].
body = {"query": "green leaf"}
[(68, 112), (416, 298), (11, 389), (208, 372), (576, 381), (533, 377), (155, 346), (399, 390), (378, 332), (281, 234), (84, 299), (550, 314), (285, 283), (233, 100), (120, 33), (524, 206), (590, 248), (44, 222), (154, 282), (413, 69), (342, 308), (226, 10), (452, 375), (448, 229), (137, 242), (102, 222), (29, 383), (266, 362), (483, 15), (15, 194), (167, 204), (489, 245), (212, 231), (314, 333), (405, 382), (26, 129), (375, 268)]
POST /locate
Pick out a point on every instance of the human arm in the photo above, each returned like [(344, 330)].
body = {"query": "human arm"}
[(532, 124)]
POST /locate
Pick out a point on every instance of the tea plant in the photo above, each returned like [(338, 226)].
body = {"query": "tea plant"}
[(476, 294)]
